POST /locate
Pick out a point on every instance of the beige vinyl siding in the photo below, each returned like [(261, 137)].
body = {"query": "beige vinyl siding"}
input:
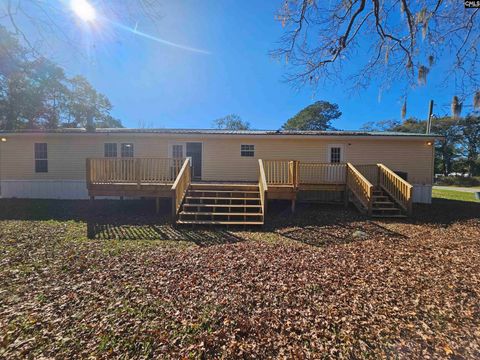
[(221, 155), (412, 156), (222, 160), (226, 160), (67, 154)]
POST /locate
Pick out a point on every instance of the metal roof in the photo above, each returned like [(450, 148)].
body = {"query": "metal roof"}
[(218, 132)]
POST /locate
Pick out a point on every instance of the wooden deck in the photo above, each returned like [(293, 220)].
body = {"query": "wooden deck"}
[(285, 179), (149, 177), (373, 189)]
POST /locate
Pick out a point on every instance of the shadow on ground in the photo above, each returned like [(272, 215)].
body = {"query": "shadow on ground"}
[(445, 212), (136, 231), (313, 224), (322, 224), (440, 212), (115, 220)]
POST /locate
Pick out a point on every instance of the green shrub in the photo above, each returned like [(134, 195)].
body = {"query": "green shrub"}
[(458, 181)]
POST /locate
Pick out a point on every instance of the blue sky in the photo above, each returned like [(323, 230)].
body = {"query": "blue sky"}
[(163, 86)]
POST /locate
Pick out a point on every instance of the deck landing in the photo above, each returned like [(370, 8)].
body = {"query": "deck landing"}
[(375, 189)]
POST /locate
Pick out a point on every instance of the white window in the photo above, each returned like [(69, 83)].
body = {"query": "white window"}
[(110, 150), (41, 158), (177, 151), (126, 150), (335, 154), (247, 150)]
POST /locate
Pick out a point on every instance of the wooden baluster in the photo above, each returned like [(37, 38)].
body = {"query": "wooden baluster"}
[(89, 172), (272, 164), (138, 169), (291, 172), (297, 173), (105, 165), (272, 172), (146, 169)]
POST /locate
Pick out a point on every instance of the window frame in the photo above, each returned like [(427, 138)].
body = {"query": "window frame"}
[(341, 157), (178, 146), (247, 152), (109, 154), (40, 157), (123, 150)]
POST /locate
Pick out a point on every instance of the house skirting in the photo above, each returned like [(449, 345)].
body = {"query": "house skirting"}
[(44, 189), (77, 190), (422, 194)]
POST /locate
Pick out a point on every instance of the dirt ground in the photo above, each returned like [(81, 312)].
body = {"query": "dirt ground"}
[(323, 283)]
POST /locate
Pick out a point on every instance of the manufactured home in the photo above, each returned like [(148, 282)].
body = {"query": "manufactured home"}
[(221, 176)]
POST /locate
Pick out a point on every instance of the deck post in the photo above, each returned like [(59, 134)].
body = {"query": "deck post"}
[(345, 193), (294, 172), (138, 172), (174, 206), (378, 176), (92, 201), (370, 201), (88, 170), (410, 202), (297, 173), (293, 205), (157, 205)]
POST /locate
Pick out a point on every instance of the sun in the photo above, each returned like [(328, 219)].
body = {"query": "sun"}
[(83, 9)]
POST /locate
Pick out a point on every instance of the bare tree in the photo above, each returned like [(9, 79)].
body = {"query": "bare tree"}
[(231, 122), (42, 24), (401, 40)]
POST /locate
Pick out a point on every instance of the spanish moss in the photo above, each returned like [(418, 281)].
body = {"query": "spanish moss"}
[(431, 60), (422, 75), (456, 107), (476, 100), (404, 109)]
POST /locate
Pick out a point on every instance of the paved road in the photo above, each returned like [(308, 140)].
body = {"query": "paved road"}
[(456, 188)]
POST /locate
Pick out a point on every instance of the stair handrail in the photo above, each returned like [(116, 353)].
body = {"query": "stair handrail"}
[(180, 186), (263, 186), (399, 189), (360, 187)]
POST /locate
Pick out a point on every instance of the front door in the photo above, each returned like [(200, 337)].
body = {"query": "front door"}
[(194, 151)]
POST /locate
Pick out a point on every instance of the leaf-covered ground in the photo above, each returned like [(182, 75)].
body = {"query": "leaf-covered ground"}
[(324, 283)]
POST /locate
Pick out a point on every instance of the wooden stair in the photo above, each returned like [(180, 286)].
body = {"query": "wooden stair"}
[(222, 204), (384, 206)]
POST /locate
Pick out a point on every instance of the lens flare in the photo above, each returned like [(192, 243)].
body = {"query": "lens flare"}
[(83, 10)]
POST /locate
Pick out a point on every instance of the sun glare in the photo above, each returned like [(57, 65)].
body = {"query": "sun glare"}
[(83, 9)]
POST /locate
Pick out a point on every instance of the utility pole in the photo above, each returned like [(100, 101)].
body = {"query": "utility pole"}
[(3, 140), (429, 120)]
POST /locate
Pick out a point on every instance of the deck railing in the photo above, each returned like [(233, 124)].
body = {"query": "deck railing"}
[(262, 186), (180, 186), (396, 187), (280, 172), (311, 173), (132, 170), (360, 187)]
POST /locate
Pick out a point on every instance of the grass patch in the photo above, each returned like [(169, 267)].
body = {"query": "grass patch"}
[(454, 195)]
